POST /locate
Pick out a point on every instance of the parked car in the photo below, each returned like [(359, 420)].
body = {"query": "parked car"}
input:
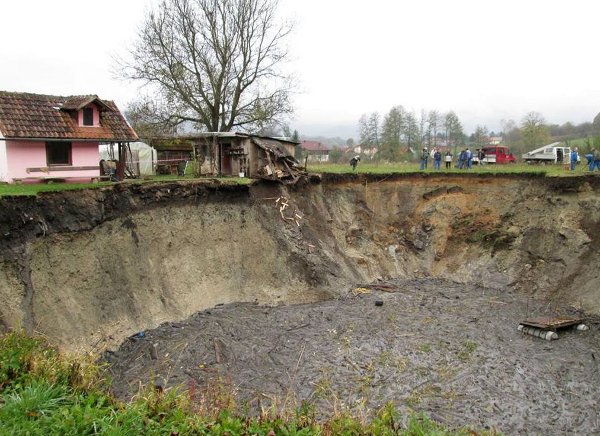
[(496, 154)]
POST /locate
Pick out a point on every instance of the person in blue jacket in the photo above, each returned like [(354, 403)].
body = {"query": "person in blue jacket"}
[(437, 159), (573, 159), (590, 161), (469, 157), (595, 160)]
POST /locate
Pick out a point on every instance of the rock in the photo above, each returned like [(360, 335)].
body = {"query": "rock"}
[(513, 231), (418, 244)]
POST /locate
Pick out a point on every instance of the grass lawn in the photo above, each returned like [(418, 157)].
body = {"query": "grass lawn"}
[(363, 167), (35, 188), (409, 167), (32, 189)]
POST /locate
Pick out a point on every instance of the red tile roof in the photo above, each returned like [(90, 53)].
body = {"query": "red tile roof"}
[(313, 146), (35, 116)]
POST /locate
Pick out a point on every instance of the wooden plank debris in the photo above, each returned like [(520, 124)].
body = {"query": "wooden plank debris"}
[(552, 323)]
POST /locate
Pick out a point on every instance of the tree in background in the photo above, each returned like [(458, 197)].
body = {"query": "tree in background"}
[(510, 132), (596, 131), (336, 155), (298, 150), (534, 130), (141, 115), (481, 137), (454, 131), (413, 134), (434, 119), (368, 127), (214, 63), (596, 124), (402, 132), (392, 132)]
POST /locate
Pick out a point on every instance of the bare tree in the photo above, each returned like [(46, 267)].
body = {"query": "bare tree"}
[(214, 63), (534, 130), (142, 116), (481, 137)]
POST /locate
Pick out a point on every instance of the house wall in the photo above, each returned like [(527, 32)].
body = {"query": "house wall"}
[(3, 162), (27, 154), (290, 148), (318, 156), (241, 162), (254, 163)]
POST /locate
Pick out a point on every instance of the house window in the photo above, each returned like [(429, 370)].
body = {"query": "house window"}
[(88, 116), (58, 153)]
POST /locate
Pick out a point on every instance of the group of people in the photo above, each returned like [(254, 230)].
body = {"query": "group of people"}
[(593, 159), (464, 161)]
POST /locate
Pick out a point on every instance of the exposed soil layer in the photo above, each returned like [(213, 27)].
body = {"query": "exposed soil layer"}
[(449, 349), (90, 268)]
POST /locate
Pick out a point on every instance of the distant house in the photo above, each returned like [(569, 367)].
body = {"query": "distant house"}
[(495, 140), (52, 137), (366, 150), (315, 151)]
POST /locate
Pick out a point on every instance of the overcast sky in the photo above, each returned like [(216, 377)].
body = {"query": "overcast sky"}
[(484, 59)]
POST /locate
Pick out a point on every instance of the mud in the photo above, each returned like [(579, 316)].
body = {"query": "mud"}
[(449, 349)]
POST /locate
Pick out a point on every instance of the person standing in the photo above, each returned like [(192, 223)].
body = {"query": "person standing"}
[(354, 161), (461, 160), (590, 160), (596, 161), (437, 159), (573, 159), (448, 160), (424, 157), (469, 157), (481, 156)]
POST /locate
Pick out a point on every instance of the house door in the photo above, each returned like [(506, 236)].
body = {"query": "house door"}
[(226, 159)]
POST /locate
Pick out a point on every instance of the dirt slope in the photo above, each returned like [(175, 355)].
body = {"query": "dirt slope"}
[(90, 268)]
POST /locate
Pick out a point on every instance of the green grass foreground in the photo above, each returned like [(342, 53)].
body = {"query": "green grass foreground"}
[(43, 392), (33, 189)]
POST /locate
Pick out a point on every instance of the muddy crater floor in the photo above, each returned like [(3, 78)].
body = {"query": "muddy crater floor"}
[(447, 349)]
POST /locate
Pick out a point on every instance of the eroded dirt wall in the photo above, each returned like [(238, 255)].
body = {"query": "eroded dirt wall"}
[(538, 235), (89, 268)]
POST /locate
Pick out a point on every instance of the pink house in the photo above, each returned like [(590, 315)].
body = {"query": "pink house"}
[(48, 137)]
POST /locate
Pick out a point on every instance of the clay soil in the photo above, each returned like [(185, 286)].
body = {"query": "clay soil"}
[(447, 349)]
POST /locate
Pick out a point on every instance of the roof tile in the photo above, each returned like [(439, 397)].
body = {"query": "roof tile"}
[(24, 115)]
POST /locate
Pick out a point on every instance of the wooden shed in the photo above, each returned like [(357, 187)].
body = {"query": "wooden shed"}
[(245, 155)]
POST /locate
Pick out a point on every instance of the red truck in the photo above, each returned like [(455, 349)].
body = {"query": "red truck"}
[(496, 154)]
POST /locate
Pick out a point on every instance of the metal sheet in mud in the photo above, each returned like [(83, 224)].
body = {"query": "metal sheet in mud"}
[(551, 322)]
